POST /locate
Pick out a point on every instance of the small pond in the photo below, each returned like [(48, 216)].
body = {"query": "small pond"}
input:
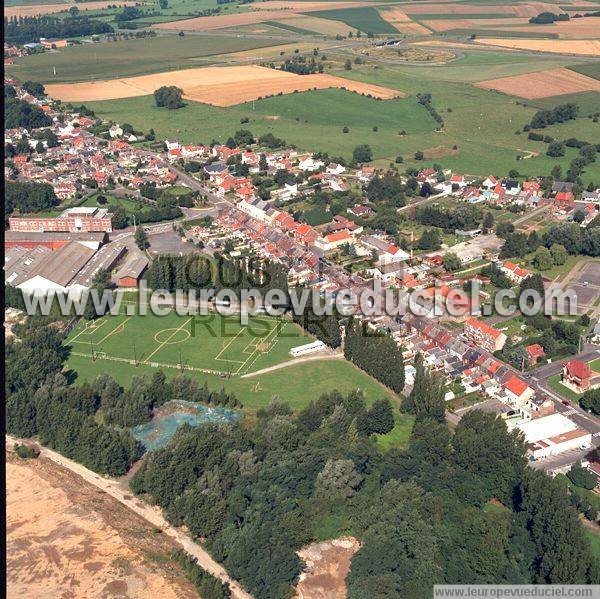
[(168, 418)]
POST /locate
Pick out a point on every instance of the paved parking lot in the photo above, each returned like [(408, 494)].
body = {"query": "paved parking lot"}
[(169, 242)]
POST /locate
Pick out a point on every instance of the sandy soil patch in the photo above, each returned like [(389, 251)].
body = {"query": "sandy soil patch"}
[(66, 539), (327, 565), (543, 84), (324, 26), (44, 9), (577, 47), (219, 86)]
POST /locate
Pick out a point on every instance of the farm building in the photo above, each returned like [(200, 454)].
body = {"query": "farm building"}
[(131, 272)]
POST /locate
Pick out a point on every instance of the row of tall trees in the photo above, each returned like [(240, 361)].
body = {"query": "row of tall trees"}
[(375, 353), (23, 30)]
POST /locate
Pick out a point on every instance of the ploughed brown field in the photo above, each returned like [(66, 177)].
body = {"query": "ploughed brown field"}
[(543, 84), (219, 86)]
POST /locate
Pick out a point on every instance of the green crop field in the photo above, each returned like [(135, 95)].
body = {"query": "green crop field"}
[(365, 19), (588, 102), (112, 60), (591, 69)]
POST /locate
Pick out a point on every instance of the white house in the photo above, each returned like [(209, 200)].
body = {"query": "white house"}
[(308, 164), (115, 131)]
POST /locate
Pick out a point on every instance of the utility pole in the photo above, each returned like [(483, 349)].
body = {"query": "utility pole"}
[(93, 354), (135, 361)]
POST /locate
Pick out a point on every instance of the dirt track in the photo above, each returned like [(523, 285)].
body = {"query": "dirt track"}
[(149, 513)]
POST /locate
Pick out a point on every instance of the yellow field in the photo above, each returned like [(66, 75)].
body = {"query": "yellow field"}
[(219, 86), (45, 9), (543, 84), (402, 22), (576, 47)]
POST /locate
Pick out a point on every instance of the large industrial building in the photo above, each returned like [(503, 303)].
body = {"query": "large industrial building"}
[(72, 220)]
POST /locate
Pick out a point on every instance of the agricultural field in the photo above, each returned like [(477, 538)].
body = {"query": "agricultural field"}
[(365, 19), (575, 47), (542, 84), (31, 9), (588, 102), (109, 60), (219, 86)]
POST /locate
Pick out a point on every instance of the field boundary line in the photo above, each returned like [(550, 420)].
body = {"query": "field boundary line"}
[(122, 324), (248, 361), (168, 338), (226, 347)]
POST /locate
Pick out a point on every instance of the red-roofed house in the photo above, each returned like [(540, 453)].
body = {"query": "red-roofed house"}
[(333, 240), (535, 352), (517, 390), (577, 374), (484, 335), (564, 200)]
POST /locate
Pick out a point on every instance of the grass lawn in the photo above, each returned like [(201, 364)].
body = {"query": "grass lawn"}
[(512, 326), (399, 435), (594, 539), (588, 102), (595, 365), (556, 385), (111, 60), (226, 350), (111, 201)]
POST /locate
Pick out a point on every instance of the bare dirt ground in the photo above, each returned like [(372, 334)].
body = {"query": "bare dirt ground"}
[(12, 316), (543, 84), (68, 539), (327, 565), (44, 9), (219, 86), (576, 47)]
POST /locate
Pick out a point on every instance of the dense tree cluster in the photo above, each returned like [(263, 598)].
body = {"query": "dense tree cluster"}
[(427, 398), (28, 197), (574, 239), (387, 188), (19, 113), (324, 327), (39, 402), (559, 114), (169, 96), (207, 585), (23, 30), (376, 353), (459, 217), (425, 100), (545, 18), (257, 494)]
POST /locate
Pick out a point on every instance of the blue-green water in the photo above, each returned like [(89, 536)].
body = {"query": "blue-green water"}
[(168, 418)]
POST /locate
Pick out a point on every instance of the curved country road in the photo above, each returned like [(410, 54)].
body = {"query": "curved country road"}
[(150, 513)]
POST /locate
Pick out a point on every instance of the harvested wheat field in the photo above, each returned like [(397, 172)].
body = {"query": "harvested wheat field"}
[(402, 22), (305, 6), (327, 565), (441, 25), (45, 9), (543, 84), (67, 539), (522, 10), (575, 47), (219, 86)]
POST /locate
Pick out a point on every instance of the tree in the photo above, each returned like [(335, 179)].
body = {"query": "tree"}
[(362, 153), (169, 96), (163, 4), (419, 155), (488, 221), (542, 259), (451, 262), (579, 215), (559, 254), (348, 65), (590, 400), (74, 11), (380, 417), (555, 149), (427, 398), (430, 240), (582, 477), (338, 480), (141, 238)]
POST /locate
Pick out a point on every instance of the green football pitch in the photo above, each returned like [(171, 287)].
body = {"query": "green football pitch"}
[(213, 343)]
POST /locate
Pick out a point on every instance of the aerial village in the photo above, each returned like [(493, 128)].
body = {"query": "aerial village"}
[(227, 209)]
